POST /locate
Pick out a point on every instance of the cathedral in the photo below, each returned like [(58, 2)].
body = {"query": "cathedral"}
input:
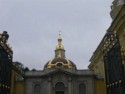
[(60, 76), (106, 73)]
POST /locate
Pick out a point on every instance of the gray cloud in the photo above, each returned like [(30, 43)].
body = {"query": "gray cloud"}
[(33, 26)]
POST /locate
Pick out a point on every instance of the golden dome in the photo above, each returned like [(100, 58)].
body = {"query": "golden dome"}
[(60, 61)]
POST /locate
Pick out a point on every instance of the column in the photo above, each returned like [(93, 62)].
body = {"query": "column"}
[(49, 84), (69, 86)]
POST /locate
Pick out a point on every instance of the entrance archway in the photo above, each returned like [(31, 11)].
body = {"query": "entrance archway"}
[(60, 88)]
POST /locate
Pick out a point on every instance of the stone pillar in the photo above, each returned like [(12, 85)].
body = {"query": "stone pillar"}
[(49, 84), (69, 86)]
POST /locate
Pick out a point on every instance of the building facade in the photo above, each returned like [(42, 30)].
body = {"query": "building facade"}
[(115, 83), (17, 79), (60, 76), (109, 57), (97, 65)]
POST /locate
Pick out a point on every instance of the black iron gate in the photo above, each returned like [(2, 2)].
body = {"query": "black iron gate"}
[(114, 67), (5, 64)]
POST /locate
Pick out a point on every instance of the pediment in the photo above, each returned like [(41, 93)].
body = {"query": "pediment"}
[(59, 71)]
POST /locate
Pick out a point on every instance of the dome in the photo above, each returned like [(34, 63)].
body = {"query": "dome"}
[(60, 60)]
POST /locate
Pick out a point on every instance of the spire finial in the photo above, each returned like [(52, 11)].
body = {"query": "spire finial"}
[(59, 52), (59, 38), (59, 33)]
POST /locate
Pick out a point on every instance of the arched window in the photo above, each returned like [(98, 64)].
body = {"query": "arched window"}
[(60, 86), (37, 89), (82, 89)]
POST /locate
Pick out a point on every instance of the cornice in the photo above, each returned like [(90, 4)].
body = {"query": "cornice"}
[(120, 18)]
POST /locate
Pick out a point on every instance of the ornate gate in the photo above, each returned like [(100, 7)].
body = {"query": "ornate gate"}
[(114, 67)]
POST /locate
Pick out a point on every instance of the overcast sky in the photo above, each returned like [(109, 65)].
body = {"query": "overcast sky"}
[(33, 27)]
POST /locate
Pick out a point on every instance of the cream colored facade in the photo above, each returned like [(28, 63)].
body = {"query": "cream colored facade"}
[(118, 28), (17, 82), (97, 65)]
